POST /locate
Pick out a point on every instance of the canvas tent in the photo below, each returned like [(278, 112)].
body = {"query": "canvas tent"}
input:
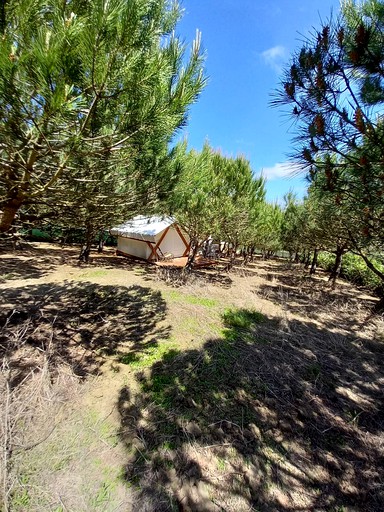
[(151, 238)]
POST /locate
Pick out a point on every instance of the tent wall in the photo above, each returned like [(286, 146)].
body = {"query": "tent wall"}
[(136, 248), (171, 243)]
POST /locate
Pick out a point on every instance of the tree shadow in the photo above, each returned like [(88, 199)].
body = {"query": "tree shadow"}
[(110, 260), (178, 276), (312, 296), (12, 268), (79, 324), (32, 261), (269, 417)]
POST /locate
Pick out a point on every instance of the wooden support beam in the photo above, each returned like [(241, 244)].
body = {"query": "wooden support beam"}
[(187, 245), (153, 254), (157, 246)]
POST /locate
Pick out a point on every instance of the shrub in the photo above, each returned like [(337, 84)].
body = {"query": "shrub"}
[(242, 318), (355, 270)]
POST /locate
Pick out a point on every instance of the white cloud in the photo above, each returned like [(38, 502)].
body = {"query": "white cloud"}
[(281, 170), (275, 57)]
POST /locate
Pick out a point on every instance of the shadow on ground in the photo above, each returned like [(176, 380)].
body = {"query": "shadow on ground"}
[(176, 276), (79, 324), (269, 417), (16, 268), (34, 260)]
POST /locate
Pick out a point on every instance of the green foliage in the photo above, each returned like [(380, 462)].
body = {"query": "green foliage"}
[(193, 200), (201, 301), (326, 260), (242, 318), (293, 224), (354, 269), (267, 229), (239, 197), (149, 355), (91, 94), (335, 90), (365, 23), (215, 196)]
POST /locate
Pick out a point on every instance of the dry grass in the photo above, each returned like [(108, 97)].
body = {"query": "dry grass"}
[(31, 408), (295, 420), (192, 410)]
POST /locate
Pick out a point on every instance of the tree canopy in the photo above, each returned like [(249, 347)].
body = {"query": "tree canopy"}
[(334, 91), (215, 196), (85, 85)]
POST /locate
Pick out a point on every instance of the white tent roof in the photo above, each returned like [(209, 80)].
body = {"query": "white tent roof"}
[(143, 228)]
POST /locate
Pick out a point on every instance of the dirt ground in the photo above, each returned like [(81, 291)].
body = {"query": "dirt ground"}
[(255, 390)]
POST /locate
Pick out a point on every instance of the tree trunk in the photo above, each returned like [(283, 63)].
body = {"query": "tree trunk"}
[(307, 259), (314, 262), (207, 246), (379, 306), (10, 210), (231, 260), (3, 20), (192, 255), (85, 250), (100, 245), (337, 266), (246, 255)]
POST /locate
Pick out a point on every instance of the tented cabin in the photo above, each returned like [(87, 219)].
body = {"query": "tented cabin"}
[(151, 238)]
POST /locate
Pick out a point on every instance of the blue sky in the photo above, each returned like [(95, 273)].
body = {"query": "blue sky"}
[(247, 43)]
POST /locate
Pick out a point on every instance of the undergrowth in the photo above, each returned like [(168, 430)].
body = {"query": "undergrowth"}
[(354, 269)]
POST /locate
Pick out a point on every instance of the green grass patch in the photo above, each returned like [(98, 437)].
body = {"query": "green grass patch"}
[(158, 387), (173, 295), (201, 301), (150, 355), (242, 318), (93, 274), (21, 498), (208, 380), (101, 496), (176, 296)]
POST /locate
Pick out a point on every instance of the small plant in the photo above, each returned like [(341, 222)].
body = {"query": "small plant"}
[(102, 496), (201, 301), (149, 356), (353, 417), (242, 318)]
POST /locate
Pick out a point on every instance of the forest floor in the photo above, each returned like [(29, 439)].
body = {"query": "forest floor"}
[(125, 388)]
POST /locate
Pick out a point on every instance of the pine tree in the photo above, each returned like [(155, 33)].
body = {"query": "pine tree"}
[(334, 89), (88, 81)]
